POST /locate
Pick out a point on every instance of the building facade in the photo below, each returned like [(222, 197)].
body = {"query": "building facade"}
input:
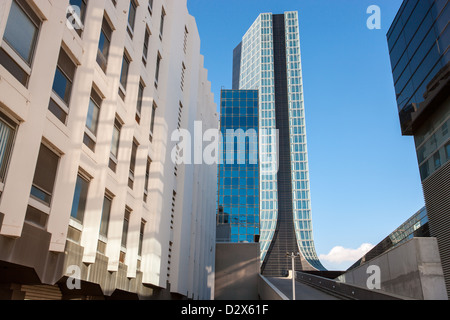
[(268, 59), (238, 166), (419, 40), (92, 205)]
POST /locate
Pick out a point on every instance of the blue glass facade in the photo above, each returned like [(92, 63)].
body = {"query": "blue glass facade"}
[(238, 170)]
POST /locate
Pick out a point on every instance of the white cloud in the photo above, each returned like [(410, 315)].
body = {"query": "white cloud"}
[(340, 254)]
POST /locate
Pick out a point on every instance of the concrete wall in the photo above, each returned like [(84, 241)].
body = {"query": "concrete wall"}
[(237, 271), (412, 269)]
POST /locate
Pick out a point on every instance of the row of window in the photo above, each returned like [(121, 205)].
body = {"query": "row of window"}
[(78, 211), (20, 40), (16, 55), (43, 184), (434, 152)]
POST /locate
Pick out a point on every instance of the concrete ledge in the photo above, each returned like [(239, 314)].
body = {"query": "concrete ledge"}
[(267, 291)]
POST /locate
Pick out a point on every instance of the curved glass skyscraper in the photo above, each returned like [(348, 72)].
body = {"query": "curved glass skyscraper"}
[(268, 59)]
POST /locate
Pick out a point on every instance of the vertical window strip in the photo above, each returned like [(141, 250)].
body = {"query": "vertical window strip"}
[(7, 133)]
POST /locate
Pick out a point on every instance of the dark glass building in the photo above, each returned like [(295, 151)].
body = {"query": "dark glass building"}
[(238, 170), (418, 42)]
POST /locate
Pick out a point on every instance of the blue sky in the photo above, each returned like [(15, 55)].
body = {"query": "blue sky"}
[(363, 172)]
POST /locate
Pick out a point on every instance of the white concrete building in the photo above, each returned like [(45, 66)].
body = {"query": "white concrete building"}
[(88, 103)]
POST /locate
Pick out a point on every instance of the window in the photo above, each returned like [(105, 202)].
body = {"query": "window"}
[(126, 223), (437, 160), (186, 32), (140, 99), (183, 72), (146, 42), (131, 18), (106, 212), (152, 121), (134, 149), (44, 175), (104, 44), (36, 216), (161, 26), (180, 113), (20, 38), (447, 150), (124, 75), (150, 6), (174, 196), (7, 133), (147, 179), (424, 171), (158, 66), (80, 198), (62, 86), (80, 7), (90, 132), (141, 237), (115, 145)]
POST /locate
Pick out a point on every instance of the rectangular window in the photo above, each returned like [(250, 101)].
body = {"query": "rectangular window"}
[(134, 150), (147, 179), (150, 7), (146, 42), (152, 121), (90, 132), (126, 223), (141, 237), (183, 72), (80, 10), (131, 18), (20, 39), (104, 44), (140, 99), (124, 75), (161, 26), (36, 216), (186, 33), (7, 134), (62, 86), (106, 213), (447, 150), (80, 198), (180, 113), (444, 129), (437, 160), (158, 66), (45, 175), (424, 170), (115, 145)]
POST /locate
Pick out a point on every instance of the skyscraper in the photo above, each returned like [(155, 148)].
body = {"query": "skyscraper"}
[(419, 43), (268, 59), (238, 167)]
